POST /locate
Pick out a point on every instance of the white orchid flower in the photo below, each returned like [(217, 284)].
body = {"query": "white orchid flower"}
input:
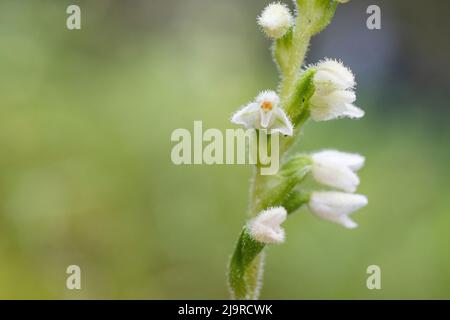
[(264, 113), (336, 206), (337, 169), (334, 96)]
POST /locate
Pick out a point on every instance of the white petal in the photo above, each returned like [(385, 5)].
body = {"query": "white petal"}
[(334, 73), (341, 97), (353, 161), (273, 216), (353, 112), (335, 206), (269, 96), (247, 116), (264, 234), (281, 123), (266, 117), (331, 105), (333, 97), (266, 227), (337, 176), (264, 113), (347, 222), (321, 113)]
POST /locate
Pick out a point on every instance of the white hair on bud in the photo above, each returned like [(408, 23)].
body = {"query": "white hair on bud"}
[(266, 227), (334, 94), (276, 20)]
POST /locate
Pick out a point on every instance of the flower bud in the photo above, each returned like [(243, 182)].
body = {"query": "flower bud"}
[(337, 169), (266, 228), (276, 20), (336, 206), (334, 95)]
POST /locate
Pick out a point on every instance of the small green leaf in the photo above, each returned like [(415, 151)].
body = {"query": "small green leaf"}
[(298, 165), (325, 10), (282, 51), (243, 273), (299, 100), (279, 188), (295, 200), (318, 12)]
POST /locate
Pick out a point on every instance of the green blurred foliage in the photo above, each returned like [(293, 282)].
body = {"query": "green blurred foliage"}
[(86, 176)]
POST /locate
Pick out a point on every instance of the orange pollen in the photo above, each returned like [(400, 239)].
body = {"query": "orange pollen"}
[(266, 106)]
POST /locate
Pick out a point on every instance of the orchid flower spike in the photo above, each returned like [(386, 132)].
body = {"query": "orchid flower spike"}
[(336, 206), (266, 228), (265, 113), (337, 169), (334, 95), (276, 20)]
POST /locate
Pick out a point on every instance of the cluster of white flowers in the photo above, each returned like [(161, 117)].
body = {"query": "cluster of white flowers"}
[(331, 168), (321, 92), (333, 98), (336, 169)]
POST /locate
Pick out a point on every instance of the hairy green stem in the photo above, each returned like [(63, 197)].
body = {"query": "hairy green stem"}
[(300, 43)]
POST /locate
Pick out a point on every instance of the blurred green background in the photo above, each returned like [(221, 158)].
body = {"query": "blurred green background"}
[(85, 170)]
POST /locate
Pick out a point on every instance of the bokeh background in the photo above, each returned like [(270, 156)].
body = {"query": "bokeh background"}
[(85, 170)]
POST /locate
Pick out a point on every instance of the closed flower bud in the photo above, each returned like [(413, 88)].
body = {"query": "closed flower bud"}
[(266, 228), (337, 169), (336, 206), (275, 20), (334, 96), (334, 74)]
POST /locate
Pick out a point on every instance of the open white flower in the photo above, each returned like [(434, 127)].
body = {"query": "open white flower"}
[(276, 19), (266, 227), (337, 169), (336, 206), (334, 95), (264, 113)]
